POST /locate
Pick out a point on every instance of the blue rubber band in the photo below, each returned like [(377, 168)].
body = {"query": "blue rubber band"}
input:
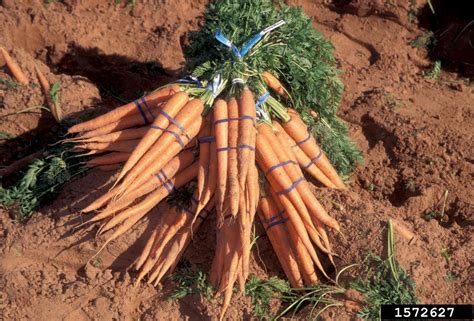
[(137, 103), (171, 132), (289, 189), (164, 175), (207, 139), (250, 44), (169, 182), (176, 123), (274, 217), (147, 107), (284, 220), (314, 160), (238, 81), (279, 165), (304, 140), (159, 177), (226, 42), (205, 210), (256, 38), (243, 146), (259, 36), (262, 99), (166, 183), (225, 120), (215, 86), (190, 80)]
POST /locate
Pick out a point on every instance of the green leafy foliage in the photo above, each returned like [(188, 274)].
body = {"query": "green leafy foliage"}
[(54, 93), (425, 41), (6, 136), (435, 70), (261, 292), (384, 282), (190, 282), (129, 3), (6, 84), (40, 182), (379, 286), (48, 2), (296, 53)]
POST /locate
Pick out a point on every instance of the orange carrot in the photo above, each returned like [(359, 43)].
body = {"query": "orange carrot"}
[(53, 107), (171, 255), (108, 159), (14, 68), (301, 157), (154, 98), (246, 136), (298, 131), (232, 171), (146, 250), (287, 149), (167, 146), (170, 109), (325, 240), (219, 253), (126, 134), (300, 214), (243, 244), (123, 123), (303, 258), (231, 268), (274, 84), (307, 220), (279, 238), (221, 134), (252, 190), (204, 156), (210, 187), (124, 146), (231, 249)]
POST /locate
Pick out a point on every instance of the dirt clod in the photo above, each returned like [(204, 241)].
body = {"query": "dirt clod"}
[(91, 272)]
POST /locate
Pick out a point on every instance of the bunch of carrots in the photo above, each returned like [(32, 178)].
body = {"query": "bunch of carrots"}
[(234, 151), (240, 148)]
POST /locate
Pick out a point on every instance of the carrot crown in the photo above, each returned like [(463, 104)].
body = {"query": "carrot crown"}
[(296, 53)]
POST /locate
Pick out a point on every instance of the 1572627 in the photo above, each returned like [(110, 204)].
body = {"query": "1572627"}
[(426, 312)]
